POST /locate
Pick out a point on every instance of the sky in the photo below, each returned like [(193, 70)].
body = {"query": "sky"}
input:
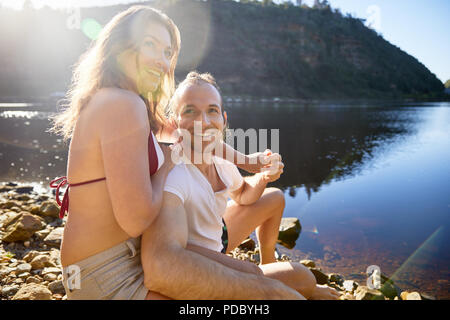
[(418, 27)]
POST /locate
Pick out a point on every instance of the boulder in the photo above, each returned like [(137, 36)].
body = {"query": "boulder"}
[(350, 285), (41, 261), (49, 209), (23, 267), (413, 296), (308, 263), (289, 232), (53, 239), (364, 293), (24, 189), (56, 287), (321, 278), (389, 290), (336, 278), (22, 228), (33, 291)]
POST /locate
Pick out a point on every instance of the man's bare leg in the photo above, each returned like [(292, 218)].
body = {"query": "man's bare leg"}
[(264, 216), (299, 278)]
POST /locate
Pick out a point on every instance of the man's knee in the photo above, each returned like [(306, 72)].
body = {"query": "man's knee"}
[(277, 196)]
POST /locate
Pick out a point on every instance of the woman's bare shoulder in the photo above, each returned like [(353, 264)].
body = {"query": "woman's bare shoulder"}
[(118, 105)]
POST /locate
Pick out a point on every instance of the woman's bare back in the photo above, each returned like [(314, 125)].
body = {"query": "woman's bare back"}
[(91, 226)]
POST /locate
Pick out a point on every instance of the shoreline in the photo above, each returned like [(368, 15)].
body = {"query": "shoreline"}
[(30, 267)]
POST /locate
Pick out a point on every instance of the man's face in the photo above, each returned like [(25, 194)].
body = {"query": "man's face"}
[(199, 115)]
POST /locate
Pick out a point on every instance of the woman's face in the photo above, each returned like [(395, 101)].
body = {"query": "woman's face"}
[(148, 65), (199, 116)]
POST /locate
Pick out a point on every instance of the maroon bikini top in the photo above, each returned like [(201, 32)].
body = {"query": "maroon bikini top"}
[(62, 181)]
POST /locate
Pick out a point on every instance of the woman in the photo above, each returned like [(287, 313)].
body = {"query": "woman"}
[(116, 100)]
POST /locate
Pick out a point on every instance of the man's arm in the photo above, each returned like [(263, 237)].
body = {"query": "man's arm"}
[(253, 186), (176, 272)]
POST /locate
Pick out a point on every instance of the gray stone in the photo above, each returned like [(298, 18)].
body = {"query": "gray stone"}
[(24, 267), (289, 232), (10, 290), (56, 287)]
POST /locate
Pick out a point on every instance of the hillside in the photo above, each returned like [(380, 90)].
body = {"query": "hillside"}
[(252, 49)]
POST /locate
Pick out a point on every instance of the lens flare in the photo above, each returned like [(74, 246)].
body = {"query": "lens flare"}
[(91, 28)]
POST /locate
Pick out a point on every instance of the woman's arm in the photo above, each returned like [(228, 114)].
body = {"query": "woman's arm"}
[(123, 130)]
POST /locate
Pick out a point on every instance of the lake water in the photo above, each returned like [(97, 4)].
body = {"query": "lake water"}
[(370, 182)]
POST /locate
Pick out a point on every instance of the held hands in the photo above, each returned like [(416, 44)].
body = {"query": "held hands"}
[(273, 167)]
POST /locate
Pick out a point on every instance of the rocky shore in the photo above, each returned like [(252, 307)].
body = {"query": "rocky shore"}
[(30, 238)]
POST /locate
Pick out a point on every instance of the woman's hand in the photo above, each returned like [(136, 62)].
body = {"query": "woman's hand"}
[(273, 170), (168, 163)]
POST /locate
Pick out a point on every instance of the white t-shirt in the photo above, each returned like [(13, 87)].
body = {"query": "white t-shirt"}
[(204, 207)]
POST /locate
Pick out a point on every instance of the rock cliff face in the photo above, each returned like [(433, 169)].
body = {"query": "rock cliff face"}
[(251, 49)]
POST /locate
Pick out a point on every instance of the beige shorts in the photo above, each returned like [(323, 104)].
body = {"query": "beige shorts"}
[(113, 274)]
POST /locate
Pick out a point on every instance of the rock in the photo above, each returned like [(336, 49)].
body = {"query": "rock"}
[(364, 293), (50, 277), (41, 261), (24, 267), (389, 290), (42, 234), (9, 204), (53, 270), (22, 228), (10, 290), (56, 287), (289, 232), (425, 296), (24, 275), (30, 255), (308, 263), (24, 189), (321, 278), (413, 296), (33, 291), (49, 209), (248, 244), (350, 285), (33, 279), (336, 278), (26, 244), (54, 238)]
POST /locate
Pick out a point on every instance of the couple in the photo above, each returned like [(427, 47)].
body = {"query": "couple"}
[(139, 227)]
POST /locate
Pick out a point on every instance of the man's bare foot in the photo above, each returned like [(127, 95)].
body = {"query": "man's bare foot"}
[(324, 292)]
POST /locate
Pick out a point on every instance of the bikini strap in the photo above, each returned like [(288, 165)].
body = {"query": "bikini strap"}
[(61, 182), (58, 183)]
